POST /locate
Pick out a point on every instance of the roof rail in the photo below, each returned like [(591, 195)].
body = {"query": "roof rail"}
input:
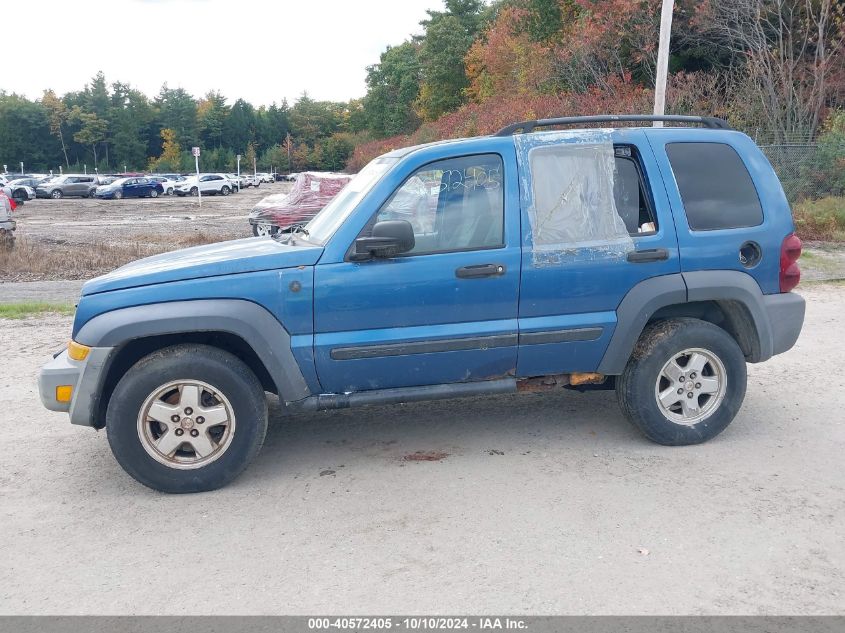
[(709, 122)]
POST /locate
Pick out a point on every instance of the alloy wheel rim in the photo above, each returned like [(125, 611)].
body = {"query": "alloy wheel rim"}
[(186, 424), (263, 230), (691, 386)]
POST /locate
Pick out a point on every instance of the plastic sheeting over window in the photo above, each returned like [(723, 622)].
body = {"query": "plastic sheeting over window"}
[(567, 187)]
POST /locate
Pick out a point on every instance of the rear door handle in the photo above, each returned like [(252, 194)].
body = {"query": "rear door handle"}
[(480, 270), (648, 255)]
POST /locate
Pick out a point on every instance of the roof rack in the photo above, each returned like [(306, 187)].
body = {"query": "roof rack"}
[(709, 122)]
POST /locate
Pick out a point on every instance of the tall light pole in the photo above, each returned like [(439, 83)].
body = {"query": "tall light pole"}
[(663, 60)]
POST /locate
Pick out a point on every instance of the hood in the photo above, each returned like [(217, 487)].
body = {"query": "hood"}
[(224, 258)]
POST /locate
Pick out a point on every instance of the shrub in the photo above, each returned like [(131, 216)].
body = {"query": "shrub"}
[(822, 219)]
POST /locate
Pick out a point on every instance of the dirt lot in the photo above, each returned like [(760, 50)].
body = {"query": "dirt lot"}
[(76, 238), (533, 504)]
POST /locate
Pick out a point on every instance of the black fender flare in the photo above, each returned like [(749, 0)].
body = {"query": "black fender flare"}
[(251, 322), (650, 295)]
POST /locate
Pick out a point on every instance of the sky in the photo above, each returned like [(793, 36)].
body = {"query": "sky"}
[(258, 50)]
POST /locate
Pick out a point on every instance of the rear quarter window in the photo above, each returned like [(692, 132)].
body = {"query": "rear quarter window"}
[(715, 186)]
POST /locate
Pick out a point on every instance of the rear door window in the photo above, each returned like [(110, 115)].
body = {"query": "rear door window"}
[(715, 186)]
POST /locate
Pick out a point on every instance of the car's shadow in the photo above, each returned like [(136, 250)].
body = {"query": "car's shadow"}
[(426, 431)]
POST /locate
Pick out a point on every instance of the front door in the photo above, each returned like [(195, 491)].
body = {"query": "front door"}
[(444, 312)]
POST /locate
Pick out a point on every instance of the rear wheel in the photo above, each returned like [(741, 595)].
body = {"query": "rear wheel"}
[(170, 191), (56, 194), (153, 193), (188, 418), (684, 383), (225, 190), (194, 191)]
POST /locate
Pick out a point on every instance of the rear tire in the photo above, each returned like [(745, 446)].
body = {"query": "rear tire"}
[(225, 190), (194, 191), (684, 383), (161, 441), (153, 193)]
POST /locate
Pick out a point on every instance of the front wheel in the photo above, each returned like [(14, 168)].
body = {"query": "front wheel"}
[(56, 194), (188, 418), (262, 229), (684, 382), (194, 191), (170, 191), (118, 194)]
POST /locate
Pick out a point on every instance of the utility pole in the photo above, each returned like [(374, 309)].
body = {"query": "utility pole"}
[(663, 60)]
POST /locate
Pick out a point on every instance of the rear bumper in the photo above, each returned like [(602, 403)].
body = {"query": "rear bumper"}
[(86, 379), (786, 316)]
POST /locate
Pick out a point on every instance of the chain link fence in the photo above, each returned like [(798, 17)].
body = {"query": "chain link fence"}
[(808, 170)]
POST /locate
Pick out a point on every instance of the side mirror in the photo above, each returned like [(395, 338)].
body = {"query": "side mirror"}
[(389, 238)]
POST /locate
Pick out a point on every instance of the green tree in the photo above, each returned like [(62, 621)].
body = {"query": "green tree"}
[(130, 115), (92, 131), (239, 129), (58, 116), (447, 39), (211, 117), (178, 112), (393, 86)]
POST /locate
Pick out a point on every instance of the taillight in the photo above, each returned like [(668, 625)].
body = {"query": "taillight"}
[(790, 251)]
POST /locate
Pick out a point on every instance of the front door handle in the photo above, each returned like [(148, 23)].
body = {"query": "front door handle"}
[(480, 270), (648, 255)]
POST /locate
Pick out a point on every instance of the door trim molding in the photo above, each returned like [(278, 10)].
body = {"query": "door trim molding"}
[(570, 335), (358, 352), (423, 347)]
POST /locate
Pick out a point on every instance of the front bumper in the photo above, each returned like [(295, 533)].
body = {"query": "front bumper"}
[(86, 378)]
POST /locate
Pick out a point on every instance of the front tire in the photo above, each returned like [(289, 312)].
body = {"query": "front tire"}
[(56, 194), (684, 383), (194, 191), (188, 418), (118, 194)]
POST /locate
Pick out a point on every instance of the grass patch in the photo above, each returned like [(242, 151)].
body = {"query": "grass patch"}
[(33, 308), (32, 260), (822, 219)]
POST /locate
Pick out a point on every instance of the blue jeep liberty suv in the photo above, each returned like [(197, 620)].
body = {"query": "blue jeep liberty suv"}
[(654, 260)]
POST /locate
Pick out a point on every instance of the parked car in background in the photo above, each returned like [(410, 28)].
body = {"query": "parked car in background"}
[(7, 224), (285, 177), (265, 177), (80, 185), (250, 180), (23, 189), (237, 182), (210, 184), (167, 183), (312, 191), (130, 188)]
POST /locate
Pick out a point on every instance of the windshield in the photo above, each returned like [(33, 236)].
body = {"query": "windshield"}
[(119, 182), (323, 225)]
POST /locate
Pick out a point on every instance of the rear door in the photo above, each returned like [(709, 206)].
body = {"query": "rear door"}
[(596, 222)]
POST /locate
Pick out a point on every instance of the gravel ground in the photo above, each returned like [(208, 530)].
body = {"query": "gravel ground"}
[(534, 504)]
